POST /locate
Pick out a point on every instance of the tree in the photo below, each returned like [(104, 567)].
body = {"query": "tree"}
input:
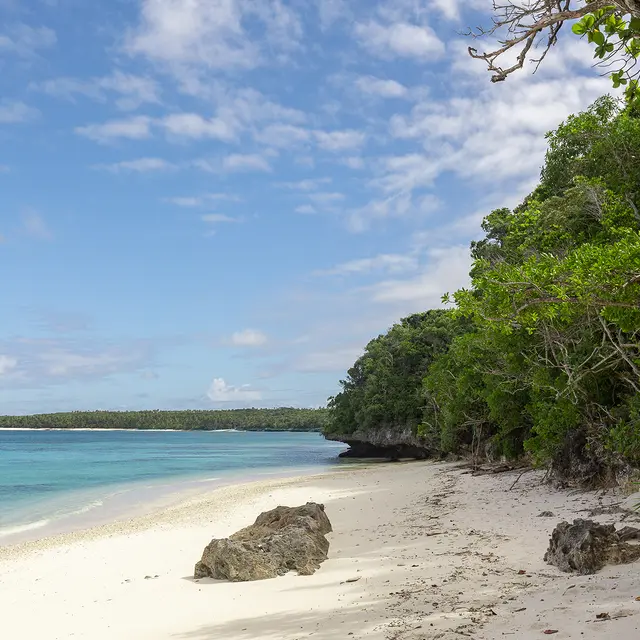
[(613, 26)]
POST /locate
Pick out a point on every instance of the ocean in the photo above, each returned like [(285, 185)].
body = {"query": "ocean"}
[(55, 481)]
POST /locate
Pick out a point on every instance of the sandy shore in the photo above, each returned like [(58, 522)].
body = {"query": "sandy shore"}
[(438, 553)]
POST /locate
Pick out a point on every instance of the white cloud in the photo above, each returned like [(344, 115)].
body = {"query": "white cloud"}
[(340, 140), (217, 218), (327, 361), (392, 263), (379, 87), (65, 363), (139, 165), (447, 269), (13, 112), (35, 226), (309, 184), (220, 391), (204, 200), (24, 41), (7, 364), (323, 198), (405, 173), (282, 136), (353, 162), (399, 40), (134, 128), (306, 209), (450, 9), (331, 11), (212, 33), (245, 162), (131, 90), (496, 133), (193, 125), (249, 338)]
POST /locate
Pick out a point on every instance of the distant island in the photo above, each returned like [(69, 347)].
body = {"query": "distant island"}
[(281, 419)]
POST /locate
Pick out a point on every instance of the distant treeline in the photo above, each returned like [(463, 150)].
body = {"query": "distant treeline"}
[(283, 419)]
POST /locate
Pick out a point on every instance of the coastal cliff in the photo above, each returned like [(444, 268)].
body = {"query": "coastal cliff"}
[(382, 443)]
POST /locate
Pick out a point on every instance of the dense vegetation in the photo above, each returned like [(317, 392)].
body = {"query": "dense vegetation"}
[(541, 356), (283, 419)]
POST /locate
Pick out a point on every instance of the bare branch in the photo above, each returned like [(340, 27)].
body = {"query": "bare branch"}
[(533, 24)]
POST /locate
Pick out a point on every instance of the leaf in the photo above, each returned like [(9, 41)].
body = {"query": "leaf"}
[(598, 37), (579, 29), (548, 632)]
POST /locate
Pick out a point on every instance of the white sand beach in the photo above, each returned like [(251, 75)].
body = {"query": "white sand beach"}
[(437, 553)]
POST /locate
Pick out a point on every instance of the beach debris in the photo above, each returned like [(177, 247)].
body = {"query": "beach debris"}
[(585, 546), (603, 616), (348, 580), (546, 514), (549, 632), (281, 540)]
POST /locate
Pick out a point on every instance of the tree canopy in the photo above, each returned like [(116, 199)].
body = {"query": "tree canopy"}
[(541, 355)]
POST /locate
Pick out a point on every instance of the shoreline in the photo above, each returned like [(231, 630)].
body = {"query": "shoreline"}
[(162, 430), (112, 504), (419, 550)]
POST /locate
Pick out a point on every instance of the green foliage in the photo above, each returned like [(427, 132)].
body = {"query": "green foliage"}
[(617, 42), (545, 359), (624, 437), (283, 419), (383, 389)]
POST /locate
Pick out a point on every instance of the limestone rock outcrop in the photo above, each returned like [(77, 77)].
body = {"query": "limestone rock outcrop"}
[(585, 546), (281, 540)]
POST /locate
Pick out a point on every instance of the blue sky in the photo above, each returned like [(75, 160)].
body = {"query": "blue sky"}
[(217, 203)]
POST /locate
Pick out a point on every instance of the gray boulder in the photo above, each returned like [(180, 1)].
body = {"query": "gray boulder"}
[(281, 540), (585, 546)]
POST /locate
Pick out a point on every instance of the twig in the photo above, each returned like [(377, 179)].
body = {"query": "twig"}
[(515, 482)]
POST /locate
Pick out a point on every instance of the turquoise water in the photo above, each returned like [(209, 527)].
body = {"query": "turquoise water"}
[(48, 478)]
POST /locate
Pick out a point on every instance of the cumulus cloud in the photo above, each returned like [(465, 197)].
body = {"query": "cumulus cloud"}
[(220, 391), (249, 338), (399, 39), (193, 125), (380, 87), (213, 34), (446, 269)]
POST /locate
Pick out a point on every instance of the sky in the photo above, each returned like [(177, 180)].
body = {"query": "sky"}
[(218, 203)]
